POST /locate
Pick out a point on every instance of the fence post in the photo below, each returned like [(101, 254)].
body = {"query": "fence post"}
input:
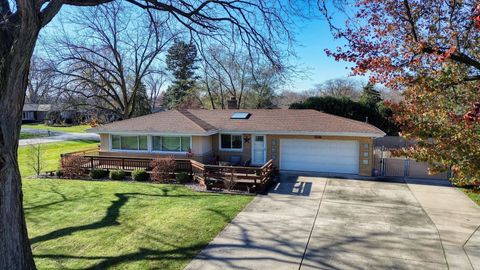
[(382, 162), (406, 167)]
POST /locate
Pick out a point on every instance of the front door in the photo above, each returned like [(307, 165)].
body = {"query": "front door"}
[(259, 150)]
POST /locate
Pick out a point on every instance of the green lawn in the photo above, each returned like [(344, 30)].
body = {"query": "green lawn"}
[(25, 135), (76, 224), (473, 194), (75, 129), (51, 154)]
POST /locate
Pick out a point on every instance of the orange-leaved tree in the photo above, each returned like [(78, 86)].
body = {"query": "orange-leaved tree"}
[(428, 49)]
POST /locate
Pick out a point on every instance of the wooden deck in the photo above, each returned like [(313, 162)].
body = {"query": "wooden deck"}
[(252, 179)]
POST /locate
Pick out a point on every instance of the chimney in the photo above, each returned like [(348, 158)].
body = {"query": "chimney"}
[(232, 103)]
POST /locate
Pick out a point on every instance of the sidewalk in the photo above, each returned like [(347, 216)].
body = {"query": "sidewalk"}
[(456, 217)]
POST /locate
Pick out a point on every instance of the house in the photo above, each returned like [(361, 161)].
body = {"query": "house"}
[(299, 140), (35, 112)]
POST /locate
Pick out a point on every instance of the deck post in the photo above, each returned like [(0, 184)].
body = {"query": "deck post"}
[(191, 168), (91, 163), (123, 163)]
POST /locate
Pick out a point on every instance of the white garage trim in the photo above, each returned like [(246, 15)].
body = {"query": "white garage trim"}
[(336, 156)]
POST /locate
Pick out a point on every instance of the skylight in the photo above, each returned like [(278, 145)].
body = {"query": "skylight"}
[(240, 115)]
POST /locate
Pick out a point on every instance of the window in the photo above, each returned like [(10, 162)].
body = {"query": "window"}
[(259, 138), (231, 142), (240, 115), (171, 143), (129, 142)]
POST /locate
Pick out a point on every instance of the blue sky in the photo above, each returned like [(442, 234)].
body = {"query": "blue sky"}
[(313, 38)]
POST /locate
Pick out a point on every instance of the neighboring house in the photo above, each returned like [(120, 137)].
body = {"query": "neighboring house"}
[(302, 140), (59, 114), (35, 112), (70, 115)]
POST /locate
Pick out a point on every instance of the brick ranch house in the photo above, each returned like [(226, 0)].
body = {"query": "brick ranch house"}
[(296, 140)]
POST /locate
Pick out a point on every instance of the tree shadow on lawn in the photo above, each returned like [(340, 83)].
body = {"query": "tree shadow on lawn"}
[(110, 219), (179, 253), (63, 199)]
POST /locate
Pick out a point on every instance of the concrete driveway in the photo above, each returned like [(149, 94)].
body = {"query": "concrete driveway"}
[(310, 222)]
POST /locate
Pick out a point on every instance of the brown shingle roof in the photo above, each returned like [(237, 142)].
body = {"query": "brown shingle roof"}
[(274, 121), (166, 122)]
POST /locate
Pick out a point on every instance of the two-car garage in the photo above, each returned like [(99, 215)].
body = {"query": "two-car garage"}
[(335, 156)]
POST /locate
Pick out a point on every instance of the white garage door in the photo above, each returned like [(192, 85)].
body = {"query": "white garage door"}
[(319, 155)]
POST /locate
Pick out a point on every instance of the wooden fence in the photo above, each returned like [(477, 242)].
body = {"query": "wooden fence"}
[(389, 166)]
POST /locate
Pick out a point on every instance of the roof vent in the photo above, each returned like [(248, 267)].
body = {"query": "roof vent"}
[(240, 115)]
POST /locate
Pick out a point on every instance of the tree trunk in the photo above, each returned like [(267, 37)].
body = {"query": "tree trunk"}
[(15, 54)]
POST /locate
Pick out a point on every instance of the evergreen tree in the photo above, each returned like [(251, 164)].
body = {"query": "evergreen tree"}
[(142, 104), (370, 96), (181, 58)]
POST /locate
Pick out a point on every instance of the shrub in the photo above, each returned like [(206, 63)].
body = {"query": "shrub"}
[(182, 177), (98, 173), (72, 166), (117, 175), (59, 173), (140, 175), (162, 169)]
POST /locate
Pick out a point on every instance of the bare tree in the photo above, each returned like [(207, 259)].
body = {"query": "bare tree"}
[(342, 87), (155, 84), (285, 98), (229, 70), (233, 72), (109, 57), (260, 25), (36, 161), (41, 81)]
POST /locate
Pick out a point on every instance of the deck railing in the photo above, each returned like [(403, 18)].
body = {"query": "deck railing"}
[(254, 179), (87, 151), (216, 176), (125, 163)]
